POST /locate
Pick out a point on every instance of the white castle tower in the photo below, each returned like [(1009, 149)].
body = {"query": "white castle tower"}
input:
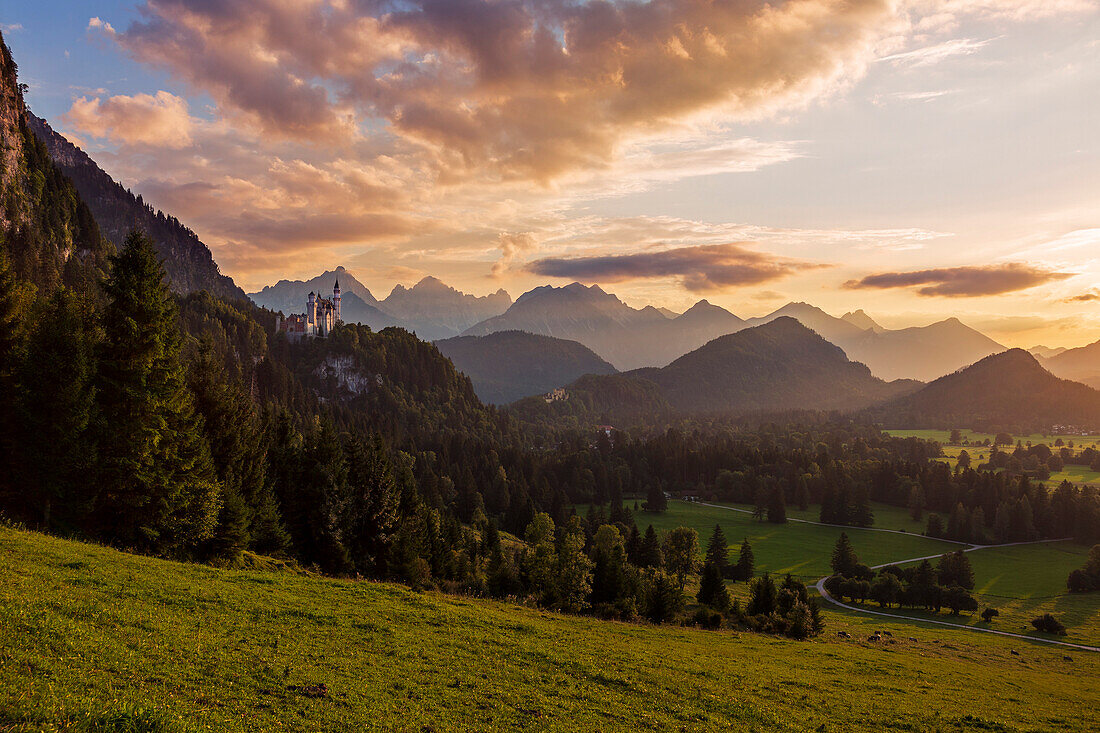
[(336, 299)]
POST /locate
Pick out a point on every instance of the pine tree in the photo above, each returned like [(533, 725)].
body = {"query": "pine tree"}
[(712, 588), (763, 596), (718, 551), (655, 498), (372, 518), (746, 562), (157, 488), (649, 551), (14, 300), (844, 560), (56, 451)]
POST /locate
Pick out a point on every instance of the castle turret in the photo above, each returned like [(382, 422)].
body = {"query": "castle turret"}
[(311, 311), (336, 299)]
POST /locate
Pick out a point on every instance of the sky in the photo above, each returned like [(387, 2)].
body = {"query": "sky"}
[(918, 159)]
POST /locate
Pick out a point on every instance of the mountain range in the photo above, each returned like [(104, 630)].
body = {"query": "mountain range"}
[(1080, 364), (631, 338), (779, 366), (431, 309)]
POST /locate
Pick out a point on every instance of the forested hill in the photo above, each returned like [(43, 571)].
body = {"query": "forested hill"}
[(782, 365), (508, 365), (188, 261), (777, 367), (46, 230), (1004, 392)]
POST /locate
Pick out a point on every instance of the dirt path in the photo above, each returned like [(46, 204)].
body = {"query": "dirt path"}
[(897, 617)]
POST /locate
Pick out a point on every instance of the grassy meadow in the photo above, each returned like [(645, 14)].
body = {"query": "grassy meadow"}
[(803, 550), (93, 639), (1021, 582)]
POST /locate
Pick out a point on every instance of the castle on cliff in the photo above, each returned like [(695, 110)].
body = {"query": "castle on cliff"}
[(321, 316)]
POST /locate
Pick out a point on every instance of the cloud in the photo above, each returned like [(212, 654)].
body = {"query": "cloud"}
[(11, 28), (96, 23), (930, 55), (1084, 297), (521, 89), (143, 119), (702, 268), (962, 281), (511, 245)]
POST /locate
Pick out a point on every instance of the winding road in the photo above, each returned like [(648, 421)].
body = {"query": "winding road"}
[(820, 585)]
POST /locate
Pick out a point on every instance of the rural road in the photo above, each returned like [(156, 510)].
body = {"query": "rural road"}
[(898, 617)]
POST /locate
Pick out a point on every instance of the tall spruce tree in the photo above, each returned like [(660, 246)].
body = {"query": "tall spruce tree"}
[(777, 505), (746, 562), (718, 551), (14, 300), (156, 487), (56, 451), (844, 560), (249, 515)]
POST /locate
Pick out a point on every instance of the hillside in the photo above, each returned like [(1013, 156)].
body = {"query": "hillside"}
[(1009, 391), (828, 327), (781, 365), (509, 365), (1080, 365), (49, 234), (435, 310), (236, 650), (188, 261)]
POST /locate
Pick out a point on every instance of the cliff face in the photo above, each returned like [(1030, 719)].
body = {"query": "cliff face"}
[(48, 233), (187, 261)]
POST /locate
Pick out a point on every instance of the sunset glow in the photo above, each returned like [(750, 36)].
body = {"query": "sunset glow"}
[(917, 159)]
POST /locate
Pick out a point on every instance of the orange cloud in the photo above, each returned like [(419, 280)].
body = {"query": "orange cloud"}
[(526, 90), (143, 119)]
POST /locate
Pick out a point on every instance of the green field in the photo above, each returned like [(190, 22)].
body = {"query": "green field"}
[(800, 549), (1023, 582), (93, 639), (943, 436)]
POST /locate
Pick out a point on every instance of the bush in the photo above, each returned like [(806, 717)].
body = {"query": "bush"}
[(1080, 582), (989, 614), (707, 619), (1049, 624)]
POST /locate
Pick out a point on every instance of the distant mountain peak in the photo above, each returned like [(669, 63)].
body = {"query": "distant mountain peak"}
[(861, 319)]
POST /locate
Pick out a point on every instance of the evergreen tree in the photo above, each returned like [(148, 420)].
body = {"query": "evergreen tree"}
[(157, 488), (763, 596), (649, 550), (712, 588), (55, 400), (844, 560), (655, 498), (861, 514), (14, 301), (746, 562), (373, 504), (718, 551)]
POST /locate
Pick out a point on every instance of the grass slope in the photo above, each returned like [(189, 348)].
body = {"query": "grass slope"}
[(93, 639)]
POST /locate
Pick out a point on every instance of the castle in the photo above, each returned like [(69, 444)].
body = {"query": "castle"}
[(321, 316)]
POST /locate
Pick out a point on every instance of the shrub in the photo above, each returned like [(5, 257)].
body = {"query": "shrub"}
[(1049, 624), (989, 614)]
